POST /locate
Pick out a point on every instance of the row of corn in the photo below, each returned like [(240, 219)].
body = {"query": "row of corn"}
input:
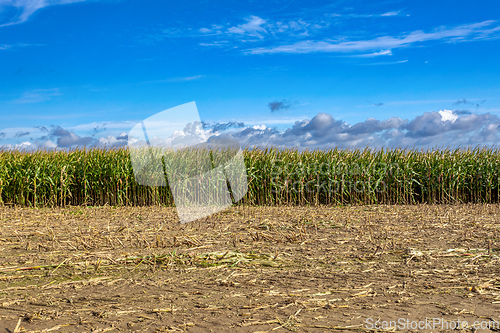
[(274, 177)]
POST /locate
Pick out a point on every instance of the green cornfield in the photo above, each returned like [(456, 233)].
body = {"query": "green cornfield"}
[(275, 177)]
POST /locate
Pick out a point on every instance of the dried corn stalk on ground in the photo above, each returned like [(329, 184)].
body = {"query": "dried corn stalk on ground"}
[(247, 269)]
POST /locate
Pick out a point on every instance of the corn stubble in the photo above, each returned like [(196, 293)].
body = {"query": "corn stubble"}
[(275, 177)]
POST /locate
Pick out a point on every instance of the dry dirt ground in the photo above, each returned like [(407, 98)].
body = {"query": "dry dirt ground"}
[(249, 269)]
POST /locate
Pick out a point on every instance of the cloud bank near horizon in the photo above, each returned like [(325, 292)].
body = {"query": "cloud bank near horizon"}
[(445, 128)]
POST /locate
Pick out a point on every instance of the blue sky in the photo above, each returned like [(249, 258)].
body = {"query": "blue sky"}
[(287, 73)]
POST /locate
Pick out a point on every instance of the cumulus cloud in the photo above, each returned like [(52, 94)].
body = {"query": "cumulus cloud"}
[(222, 126), (20, 134), (443, 128), (113, 142), (448, 115), (31, 146), (67, 139), (73, 140), (193, 133), (57, 137), (373, 125), (432, 129)]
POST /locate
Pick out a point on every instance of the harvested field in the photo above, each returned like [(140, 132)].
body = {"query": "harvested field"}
[(247, 269)]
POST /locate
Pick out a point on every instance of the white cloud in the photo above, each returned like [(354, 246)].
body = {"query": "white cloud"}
[(37, 96), (354, 15), (110, 141), (253, 27), (18, 45), (30, 146), (25, 8), (193, 133), (461, 33), (274, 121), (431, 129), (48, 144), (374, 54), (385, 63), (419, 102), (257, 29), (108, 125), (444, 128), (24, 145), (177, 79), (188, 78), (259, 127), (448, 115), (396, 13)]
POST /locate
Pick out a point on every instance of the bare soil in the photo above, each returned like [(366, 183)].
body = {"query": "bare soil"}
[(247, 269)]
